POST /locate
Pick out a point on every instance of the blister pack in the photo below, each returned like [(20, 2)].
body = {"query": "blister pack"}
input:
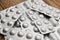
[(30, 20)]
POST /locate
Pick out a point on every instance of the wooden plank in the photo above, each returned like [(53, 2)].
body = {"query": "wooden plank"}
[(1, 8), (53, 3), (8, 3)]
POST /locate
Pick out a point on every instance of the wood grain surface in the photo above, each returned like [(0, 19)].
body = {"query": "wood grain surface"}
[(54, 3), (8, 3)]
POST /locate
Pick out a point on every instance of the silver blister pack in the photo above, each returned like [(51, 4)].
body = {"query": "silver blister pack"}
[(30, 20)]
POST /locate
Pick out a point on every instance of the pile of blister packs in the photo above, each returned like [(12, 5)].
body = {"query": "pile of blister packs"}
[(30, 20)]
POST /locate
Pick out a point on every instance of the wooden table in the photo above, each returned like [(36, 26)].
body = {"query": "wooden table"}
[(8, 3), (54, 3)]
